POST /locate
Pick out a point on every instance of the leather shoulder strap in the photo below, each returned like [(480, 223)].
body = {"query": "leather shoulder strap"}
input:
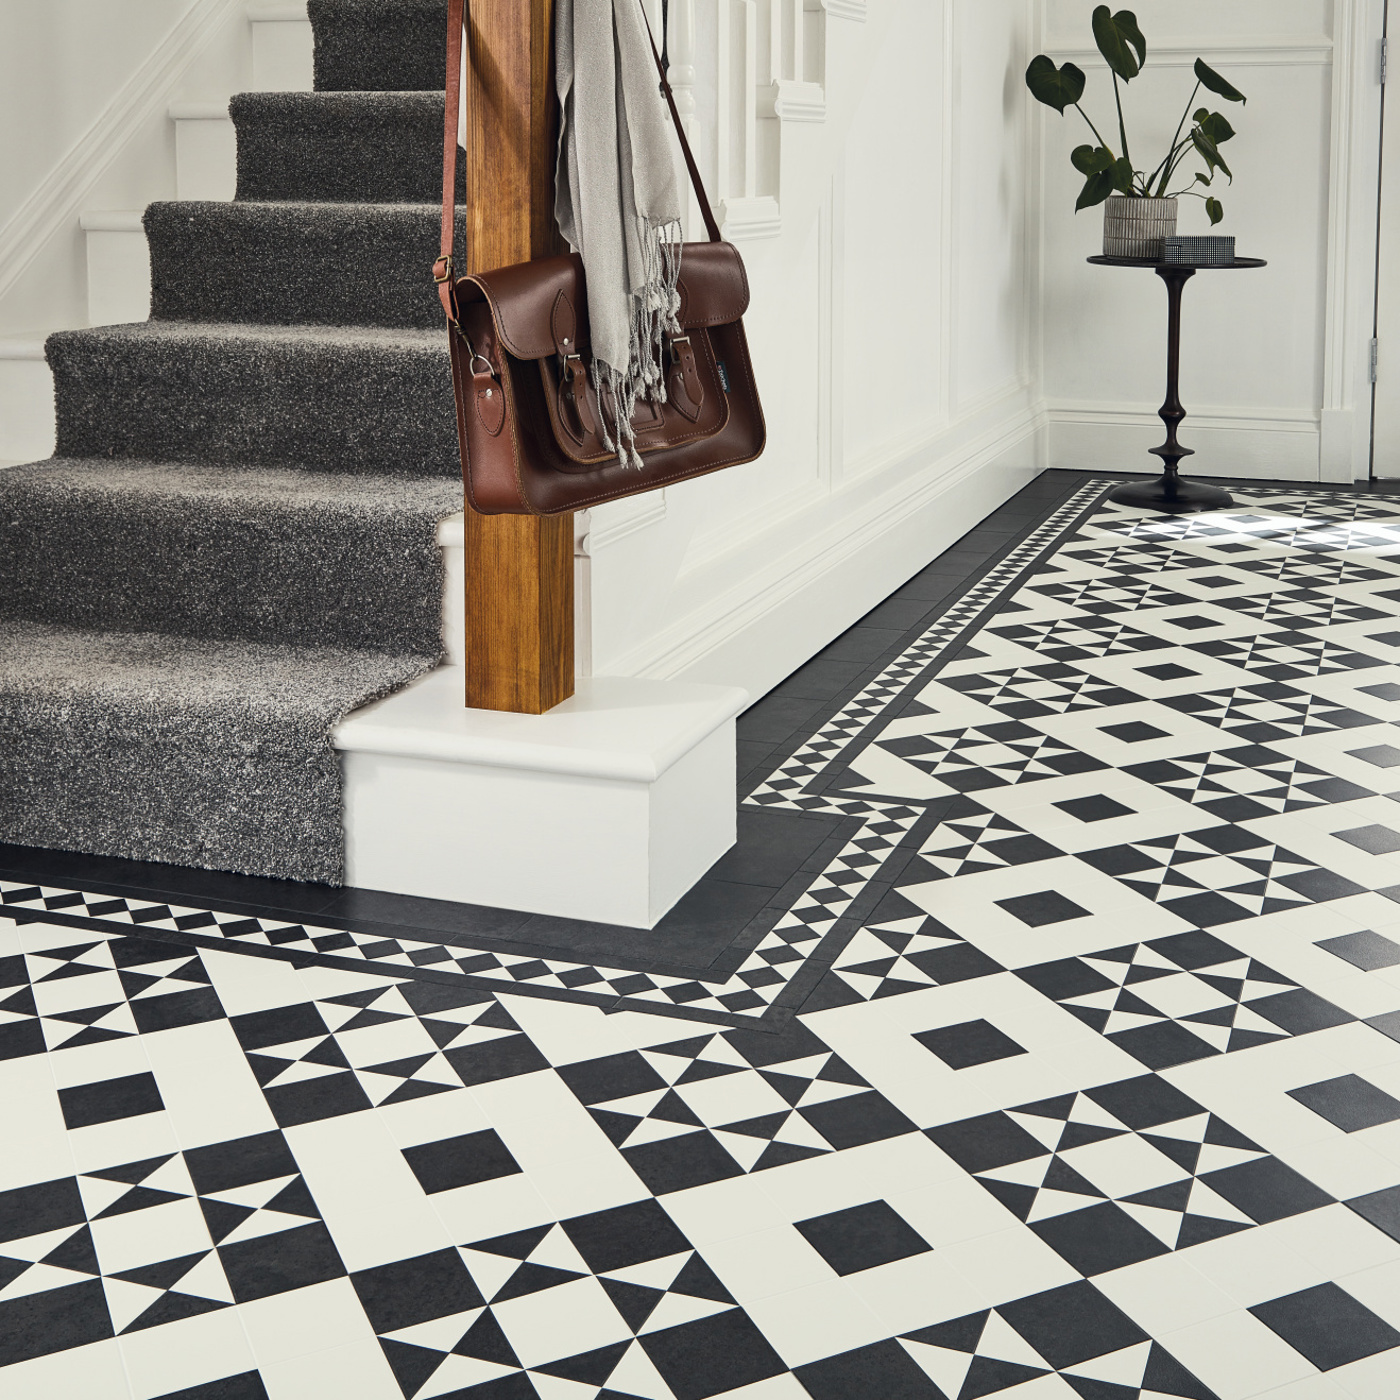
[(458, 46)]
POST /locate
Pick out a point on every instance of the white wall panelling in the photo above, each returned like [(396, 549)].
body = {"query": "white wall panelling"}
[(1274, 363)]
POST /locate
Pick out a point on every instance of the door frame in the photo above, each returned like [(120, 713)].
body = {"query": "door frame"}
[(1358, 27)]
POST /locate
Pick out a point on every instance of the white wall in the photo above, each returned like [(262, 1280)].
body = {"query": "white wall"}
[(84, 88), (890, 328), (1272, 361)]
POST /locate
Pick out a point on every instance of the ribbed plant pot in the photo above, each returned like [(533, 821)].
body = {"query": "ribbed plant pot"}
[(1136, 228)]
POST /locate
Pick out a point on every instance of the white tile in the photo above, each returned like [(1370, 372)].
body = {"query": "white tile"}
[(1165, 1293), (1336, 1241), (36, 1137), (915, 1292), (369, 1198), (823, 1319), (178, 1355), (760, 1265), (1373, 1378), (1379, 1290), (577, 1186), (209, 1092), (1253, 1266), (246, 983), (723, 1209), (491, 1208), (562, 1321), (92, 1372), (955, 1211), (1313, 1387), (306, 1319), (1010, 1264), (1237, 1356), (355, 1372), (1341, 1166)]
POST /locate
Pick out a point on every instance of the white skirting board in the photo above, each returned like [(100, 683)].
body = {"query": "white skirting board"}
[(608, 808)]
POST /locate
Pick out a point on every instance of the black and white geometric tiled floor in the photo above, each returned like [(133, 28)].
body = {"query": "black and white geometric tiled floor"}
[(1066, 1063)]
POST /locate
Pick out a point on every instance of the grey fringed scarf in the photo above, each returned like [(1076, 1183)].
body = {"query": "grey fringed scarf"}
[(616, 199)]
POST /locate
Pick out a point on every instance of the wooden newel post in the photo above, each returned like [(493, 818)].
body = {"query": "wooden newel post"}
[(520, 568)]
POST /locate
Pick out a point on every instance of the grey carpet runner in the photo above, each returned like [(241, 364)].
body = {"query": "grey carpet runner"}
[(234, 544)]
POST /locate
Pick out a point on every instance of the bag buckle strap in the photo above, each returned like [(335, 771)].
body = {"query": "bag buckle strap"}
[(442, 268)]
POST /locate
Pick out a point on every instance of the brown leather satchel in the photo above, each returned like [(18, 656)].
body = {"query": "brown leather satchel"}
[(533, 433)]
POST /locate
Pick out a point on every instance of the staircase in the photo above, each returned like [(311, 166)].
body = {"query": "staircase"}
[(235, 541)]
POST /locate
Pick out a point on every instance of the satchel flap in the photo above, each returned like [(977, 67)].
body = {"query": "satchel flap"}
[(535, 302)]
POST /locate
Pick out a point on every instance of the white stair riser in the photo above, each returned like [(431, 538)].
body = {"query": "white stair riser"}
[(119, 276), (206, 158), (27, 425), (282, 55)]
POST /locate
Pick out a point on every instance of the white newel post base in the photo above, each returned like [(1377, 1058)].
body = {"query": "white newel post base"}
[(609, 808)]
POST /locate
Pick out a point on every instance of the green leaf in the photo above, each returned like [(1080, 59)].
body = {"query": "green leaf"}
[(1097, 188), (1210, 152), (1090, 160), (1215, 212), (1055, 87), (1202, 179), (1216, 127), (1211, 79), (1123, 176), (1120, 41)]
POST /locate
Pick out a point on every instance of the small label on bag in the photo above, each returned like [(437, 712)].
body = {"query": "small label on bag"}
[(723, 375)]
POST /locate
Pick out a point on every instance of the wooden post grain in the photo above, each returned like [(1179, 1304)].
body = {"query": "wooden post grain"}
[(520, 568)]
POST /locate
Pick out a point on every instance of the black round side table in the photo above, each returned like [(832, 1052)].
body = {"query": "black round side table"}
[(1171, 492)]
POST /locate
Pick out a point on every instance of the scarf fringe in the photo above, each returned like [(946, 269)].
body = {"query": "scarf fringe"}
[(653, 317)]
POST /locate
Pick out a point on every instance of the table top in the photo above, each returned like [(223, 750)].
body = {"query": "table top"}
[(1154, 263)]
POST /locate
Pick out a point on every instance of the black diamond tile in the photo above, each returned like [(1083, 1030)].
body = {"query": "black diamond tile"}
[(311, 1100), (1072, 1324), (1381, 1208), (1377, 840), (466, 1160), (260, 1029), (1387, 1023), (1348, 1102), (625, 1235), (1134, 732), (1098, 1239), (1038, 910), (1366, 950), (857, 1120), (678, 1163), (1300, 1011), (985, 1142), (1328, 1326), (971, 1043), (1094, 809), (224, 1166), (711, 1356), (107, 1100), (862, 1237), (495, 1059), (1378, 755), (35, 1210), (410, 1291), (1266, 1190), (280, 1262), (881, 1369), (39, 1324)]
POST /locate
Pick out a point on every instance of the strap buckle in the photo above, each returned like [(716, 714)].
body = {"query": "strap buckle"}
[(442, 268)]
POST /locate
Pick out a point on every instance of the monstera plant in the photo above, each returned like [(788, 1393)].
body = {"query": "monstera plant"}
[(1110, 172)]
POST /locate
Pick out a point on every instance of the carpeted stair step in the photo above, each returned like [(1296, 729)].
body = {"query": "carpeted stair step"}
[(338, 399), (379, 45), (192, 751), (277, 555), (384, 147), (285, 263)]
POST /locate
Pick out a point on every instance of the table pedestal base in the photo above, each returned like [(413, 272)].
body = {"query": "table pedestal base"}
[(1172, 494)]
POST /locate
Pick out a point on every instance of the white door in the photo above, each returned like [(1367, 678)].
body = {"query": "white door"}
[(1386, 443)]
